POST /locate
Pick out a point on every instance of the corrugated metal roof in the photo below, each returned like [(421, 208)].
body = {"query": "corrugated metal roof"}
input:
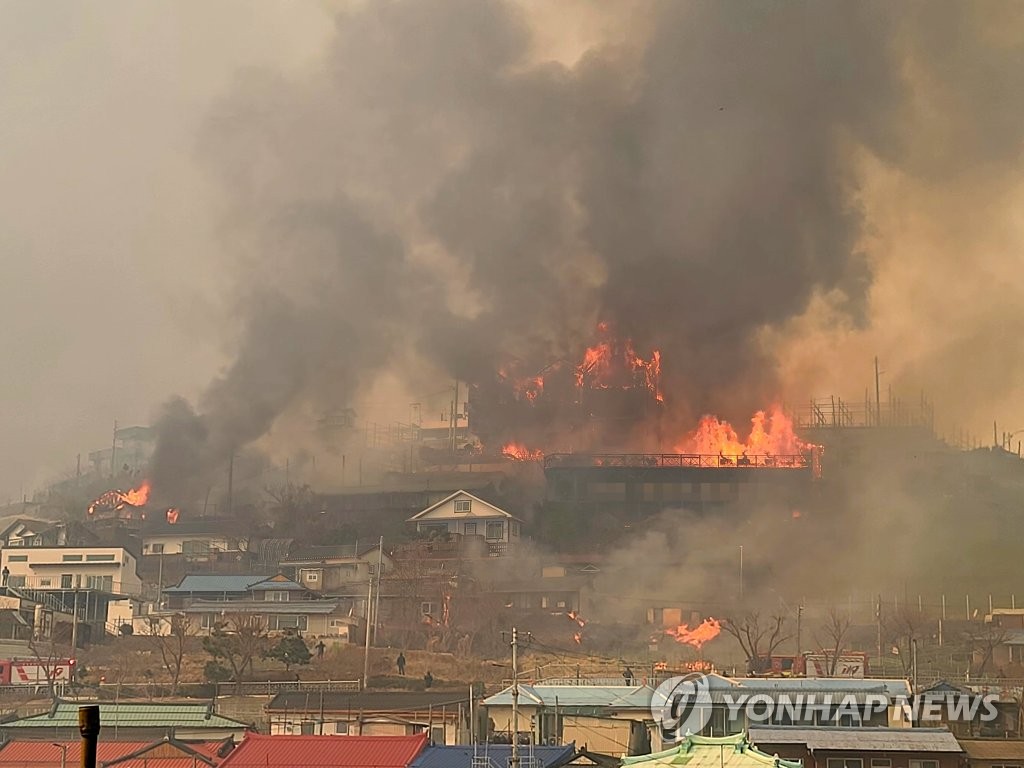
[(993, 749), (497, 754), (46, 754), (242, 583), (368, 702), (613, 696), (860, 739), (131, 715), (709, 752), (334, 751)]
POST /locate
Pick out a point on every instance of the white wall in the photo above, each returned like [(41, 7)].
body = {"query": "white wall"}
[(58, 568)]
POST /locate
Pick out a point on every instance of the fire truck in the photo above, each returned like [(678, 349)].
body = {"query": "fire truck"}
[(34, 672), (851, 664)]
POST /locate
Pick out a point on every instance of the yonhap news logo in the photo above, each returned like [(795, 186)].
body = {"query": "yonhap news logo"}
[(681, 706)]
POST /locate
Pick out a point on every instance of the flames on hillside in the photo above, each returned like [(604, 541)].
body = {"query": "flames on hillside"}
[(611, 374), (117, 500), (707, 630)]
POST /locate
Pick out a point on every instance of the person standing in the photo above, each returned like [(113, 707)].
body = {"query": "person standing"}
[(400, 661), (320, 648)]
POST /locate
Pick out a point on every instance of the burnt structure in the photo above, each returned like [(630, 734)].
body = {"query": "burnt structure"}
[(637, 485)]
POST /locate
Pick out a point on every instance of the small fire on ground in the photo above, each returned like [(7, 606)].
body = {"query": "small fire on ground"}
[(519, 452), (707, 630), (580, 622)]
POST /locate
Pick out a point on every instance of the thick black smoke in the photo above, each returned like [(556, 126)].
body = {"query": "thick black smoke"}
[(433, 189)]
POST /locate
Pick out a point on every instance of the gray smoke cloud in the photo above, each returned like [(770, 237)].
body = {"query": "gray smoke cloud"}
[(433, 196)]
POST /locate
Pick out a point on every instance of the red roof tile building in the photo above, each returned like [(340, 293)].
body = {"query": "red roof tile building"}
[(259, 751)]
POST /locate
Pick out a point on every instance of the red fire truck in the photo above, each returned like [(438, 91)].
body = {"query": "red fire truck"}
[(34, 672)]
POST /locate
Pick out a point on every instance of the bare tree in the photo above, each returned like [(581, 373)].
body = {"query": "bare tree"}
[(239, 640), (983, 643), (903, 628), (834, 632), (47, 654), (758, 640), (173, 645)]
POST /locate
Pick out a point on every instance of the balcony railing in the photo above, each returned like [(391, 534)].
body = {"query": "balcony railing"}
[(699, 460)]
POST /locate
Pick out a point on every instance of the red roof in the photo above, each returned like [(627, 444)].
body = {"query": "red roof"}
[(259, 751), (44, 754)]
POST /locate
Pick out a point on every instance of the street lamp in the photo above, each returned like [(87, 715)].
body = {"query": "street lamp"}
[(63, 753)]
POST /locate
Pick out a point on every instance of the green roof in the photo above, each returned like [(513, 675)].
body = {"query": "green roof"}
[(64, 714), (711, 752)]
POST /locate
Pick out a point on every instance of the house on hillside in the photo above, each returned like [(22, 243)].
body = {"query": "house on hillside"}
[(194, 538), (464, 515), (280, 604), (441, 714), (843, 747), (25, 532), (336, 569)]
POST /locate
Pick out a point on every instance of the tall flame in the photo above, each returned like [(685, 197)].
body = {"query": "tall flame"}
[(771, 433), (612, 362), (707, 630)]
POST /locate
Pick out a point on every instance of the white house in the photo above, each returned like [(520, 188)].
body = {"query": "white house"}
[(196, 538), (112, 570), (464, 514)]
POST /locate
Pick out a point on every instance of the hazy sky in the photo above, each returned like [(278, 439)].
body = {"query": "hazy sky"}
[(109, 289), (115, 290)]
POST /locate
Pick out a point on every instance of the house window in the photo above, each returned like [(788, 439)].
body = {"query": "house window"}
[(515, 529), (98, 558), (66, 581), (195, 547), (44, 582), (308, 728), (924, 764), (71, 558), (208, 620), (544, 602), (16, 581), (310, 576), (103, 583), (341, 728), (426, 608), (463, 506), (158, 549), (881, 762), (848, 762), (469, 529), (276, 597), (287, 621), (495, 531), (17, 558)]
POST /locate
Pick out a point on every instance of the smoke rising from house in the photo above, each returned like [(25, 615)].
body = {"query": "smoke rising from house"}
[(436, 198)]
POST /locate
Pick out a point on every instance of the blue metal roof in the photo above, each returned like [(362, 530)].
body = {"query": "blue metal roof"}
[(496, 754), (221, 584)]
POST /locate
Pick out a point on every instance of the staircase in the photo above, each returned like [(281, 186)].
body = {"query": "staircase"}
[(41, 597)]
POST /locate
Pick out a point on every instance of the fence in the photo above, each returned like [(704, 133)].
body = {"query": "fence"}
[(704, 461), (271, 687)]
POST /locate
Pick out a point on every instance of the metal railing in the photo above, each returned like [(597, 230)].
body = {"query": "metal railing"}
[(699, 460), (272, 687)]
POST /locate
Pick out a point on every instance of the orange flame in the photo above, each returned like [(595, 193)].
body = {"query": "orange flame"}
[(771, 434), (578, 638), (520, 452), (709, 629), (115, 500), (605, 364), (172, 515)]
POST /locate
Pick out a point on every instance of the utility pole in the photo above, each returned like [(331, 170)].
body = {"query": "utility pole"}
[(74, 629), (380, 572), (513, 760), (113, 452), (913, 662), (878, 396), (231, 484), (366, 650), (799, 627), (878, 622), (741, 571)]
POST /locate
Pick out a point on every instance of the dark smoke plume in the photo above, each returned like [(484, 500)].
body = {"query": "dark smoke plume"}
[(433, 193)]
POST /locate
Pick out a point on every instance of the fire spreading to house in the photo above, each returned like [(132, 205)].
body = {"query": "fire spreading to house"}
[(116, 501), (613, 365)]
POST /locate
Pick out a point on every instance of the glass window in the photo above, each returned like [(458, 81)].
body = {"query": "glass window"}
[(495, 530), (462, 506), (71, 558), (195, 547), (469, 529), (98, 558), (66, 581), (158, 549), (849, 762), (17, 558), (276, 597)]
